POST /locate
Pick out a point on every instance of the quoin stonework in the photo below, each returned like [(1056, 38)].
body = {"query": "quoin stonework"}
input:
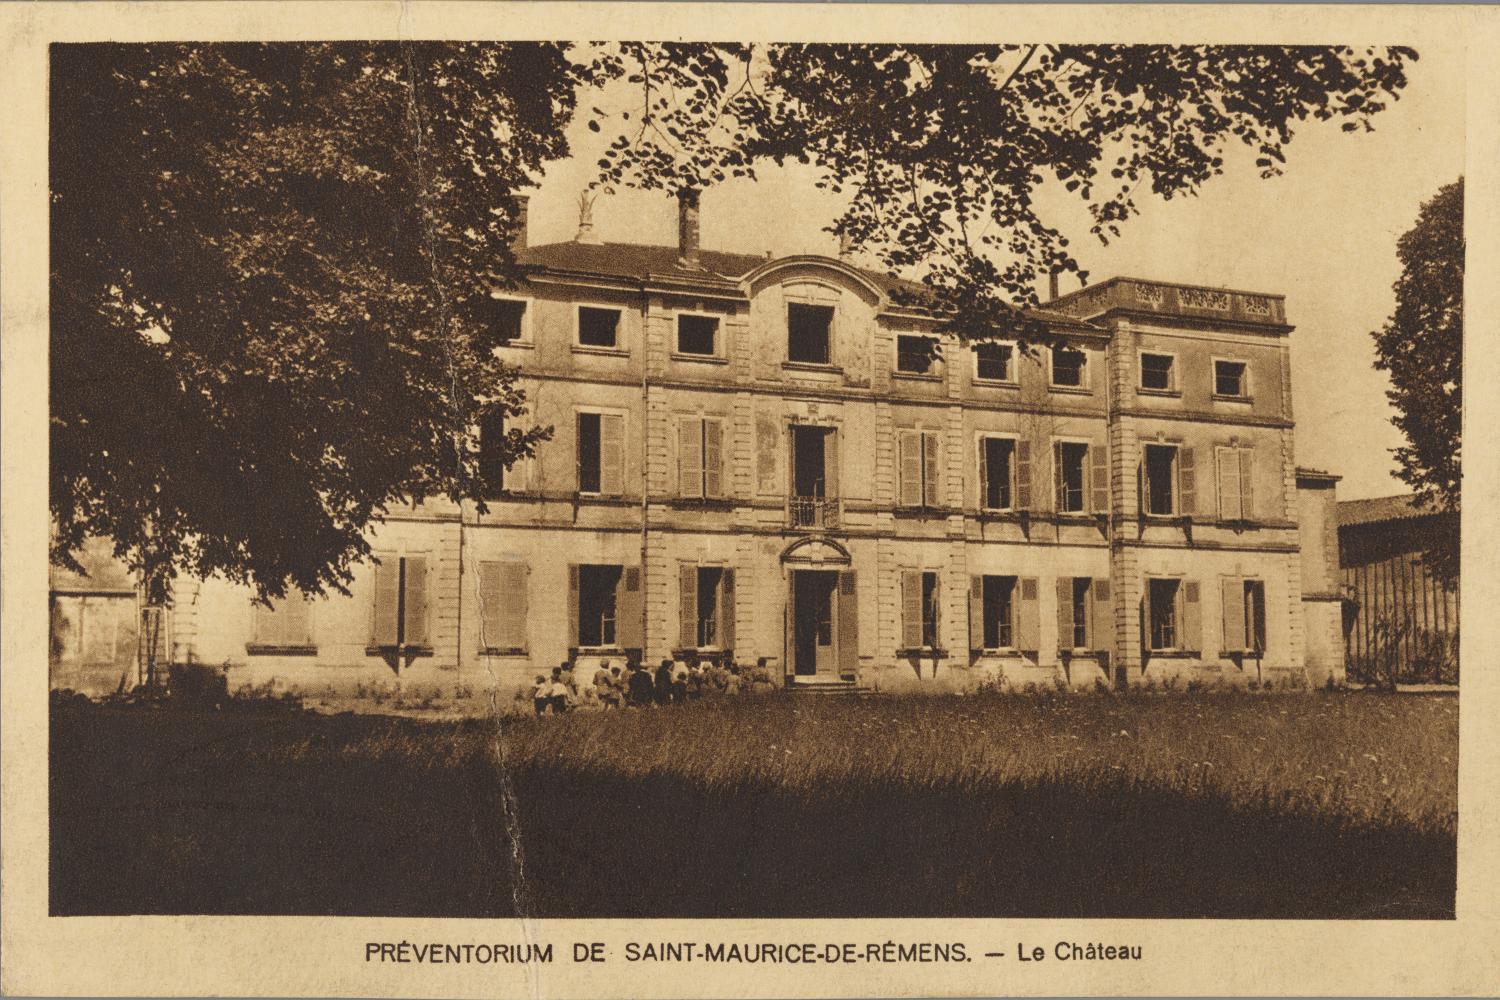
[(759, 457)]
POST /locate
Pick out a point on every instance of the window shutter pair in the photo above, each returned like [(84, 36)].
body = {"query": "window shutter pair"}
[(503, 600), (919, 469), (400, 615), (700, 457), (1236, 478)]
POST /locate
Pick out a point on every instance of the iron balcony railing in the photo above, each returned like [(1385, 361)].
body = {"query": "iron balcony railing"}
[(813, 512)]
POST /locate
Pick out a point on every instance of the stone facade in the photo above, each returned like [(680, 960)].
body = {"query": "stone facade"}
[(755, 463)]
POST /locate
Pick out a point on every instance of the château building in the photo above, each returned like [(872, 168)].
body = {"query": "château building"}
[(759, 457)]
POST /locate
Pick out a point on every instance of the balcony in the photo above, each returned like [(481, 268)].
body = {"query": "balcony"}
[(813, 513)]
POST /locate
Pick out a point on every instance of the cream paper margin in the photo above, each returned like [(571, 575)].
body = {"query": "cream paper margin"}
[(296, 956)]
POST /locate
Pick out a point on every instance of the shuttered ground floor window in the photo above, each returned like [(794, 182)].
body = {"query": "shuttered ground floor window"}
[(706, 619), (284, 627), (502, 607), (1244, 608), (399, 618), (605, 606), (920, 610), (1085, 614), (1172, 616)]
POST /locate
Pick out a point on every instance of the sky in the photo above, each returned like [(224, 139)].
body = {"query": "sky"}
[(1323, 234)]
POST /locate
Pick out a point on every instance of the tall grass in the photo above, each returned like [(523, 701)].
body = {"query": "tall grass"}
[(1226, 805)]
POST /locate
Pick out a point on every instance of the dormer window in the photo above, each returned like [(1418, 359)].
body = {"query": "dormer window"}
[(809, 333)]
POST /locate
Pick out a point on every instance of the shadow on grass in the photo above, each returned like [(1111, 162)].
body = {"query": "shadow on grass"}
[(330, 834)]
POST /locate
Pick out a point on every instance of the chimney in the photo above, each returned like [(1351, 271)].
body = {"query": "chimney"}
[(846, 246), (687, 227), (1052, 280), (522, 204)]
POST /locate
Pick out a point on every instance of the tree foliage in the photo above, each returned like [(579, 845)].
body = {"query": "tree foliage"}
[(269, 271), (270, 262), (942, 150), (1421, 346)]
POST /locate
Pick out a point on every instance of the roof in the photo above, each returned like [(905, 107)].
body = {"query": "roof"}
[(1317, 475), (639, 261), (1377, 509)]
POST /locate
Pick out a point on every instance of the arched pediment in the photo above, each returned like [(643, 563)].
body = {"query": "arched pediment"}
[(836, 271), (816, 551)]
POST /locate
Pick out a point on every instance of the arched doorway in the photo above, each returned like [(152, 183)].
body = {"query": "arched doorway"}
[(822, 612)]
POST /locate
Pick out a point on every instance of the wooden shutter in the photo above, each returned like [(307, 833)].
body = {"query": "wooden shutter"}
[(911, 469), (687, 605), (416, 600), (690, 457), (630, 609), (1187, 482), (573, 606), (1235, 631), (1229, 482), (295, 630), (269, 626), (383, 616), (726, 609), (1247, 482), (1192, 617), (976, 613), (937, 610), (984, 474), (830, 464), (1103, 620), (1065, 612), (848, 609), (611, 454), (1028, 615), (931, 494), (1023, 475), (1099, 477), (713, 458), (1146, 616), (1058, 488), (911, 609), (578, 449), (491, 616)]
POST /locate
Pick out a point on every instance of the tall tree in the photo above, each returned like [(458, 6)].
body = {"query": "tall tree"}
[(270, 266), (1421, 345)]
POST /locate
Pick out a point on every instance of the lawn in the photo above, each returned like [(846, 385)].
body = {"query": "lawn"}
[(1220, 805)]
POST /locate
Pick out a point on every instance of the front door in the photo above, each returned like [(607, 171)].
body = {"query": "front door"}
[(814, 638)]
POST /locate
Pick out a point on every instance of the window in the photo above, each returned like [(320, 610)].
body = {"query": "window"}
[(697, 334), (286, 624), (597, 597), (700, 456), (920, 606), (809, 330), (1163, 610), (995, 454), (992, 362), (502, 606), (507, 320), (815, 472), (1068, 367), (1229, 379), (1157, 372), (915, 354), (999, 624), (1085, 614), (1244, 615), (400, 617), (598, 327), (707, 595), (1236, 468), (601, 439), (1161, 479), (1070, 471), (920, 485), (492, 453)]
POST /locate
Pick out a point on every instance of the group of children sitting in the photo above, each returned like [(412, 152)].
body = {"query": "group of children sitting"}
[(637, 687)]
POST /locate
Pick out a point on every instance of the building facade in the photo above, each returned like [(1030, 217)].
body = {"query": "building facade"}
[(774, 459)]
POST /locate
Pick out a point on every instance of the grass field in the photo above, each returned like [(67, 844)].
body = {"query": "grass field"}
[(1225, 805)]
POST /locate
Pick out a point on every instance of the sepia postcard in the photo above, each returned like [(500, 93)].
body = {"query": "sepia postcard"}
[(748, 500)]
